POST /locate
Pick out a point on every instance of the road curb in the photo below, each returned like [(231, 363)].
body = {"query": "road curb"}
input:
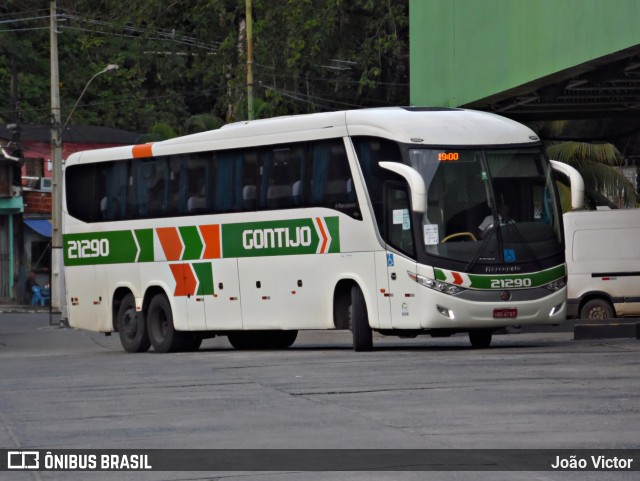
[(611, 330)]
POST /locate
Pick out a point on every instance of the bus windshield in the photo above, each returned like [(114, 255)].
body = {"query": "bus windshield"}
[(488, 207)]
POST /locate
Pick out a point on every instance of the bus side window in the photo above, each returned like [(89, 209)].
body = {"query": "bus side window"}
[(281, 170), (249, 180), (331, 183), (228, 190), (85, 191), (398, 218), (113, 204)]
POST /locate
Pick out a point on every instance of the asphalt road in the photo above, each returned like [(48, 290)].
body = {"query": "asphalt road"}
[(69, 389)]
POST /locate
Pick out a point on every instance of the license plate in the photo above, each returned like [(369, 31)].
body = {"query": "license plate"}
[(505, 313)]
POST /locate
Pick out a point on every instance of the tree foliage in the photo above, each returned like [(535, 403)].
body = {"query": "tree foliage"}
[(597, 164), (183, 63)]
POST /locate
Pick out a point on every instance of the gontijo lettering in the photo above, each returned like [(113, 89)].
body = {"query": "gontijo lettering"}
[(278, 237)]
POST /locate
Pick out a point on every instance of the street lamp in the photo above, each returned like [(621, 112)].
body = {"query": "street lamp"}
[(108, 68), (57, 281)]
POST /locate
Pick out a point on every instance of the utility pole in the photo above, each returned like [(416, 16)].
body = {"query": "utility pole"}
[(249, 21), (58, 296)]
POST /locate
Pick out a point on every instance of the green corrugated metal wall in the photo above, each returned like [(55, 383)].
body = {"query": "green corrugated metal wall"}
[(466, 50)]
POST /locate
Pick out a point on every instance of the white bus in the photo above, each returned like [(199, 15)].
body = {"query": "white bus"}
[(403, 221)]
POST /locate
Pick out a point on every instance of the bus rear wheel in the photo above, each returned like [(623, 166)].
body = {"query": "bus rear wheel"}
[(480, 338), (131, 326), (162, 334), (360, 328)]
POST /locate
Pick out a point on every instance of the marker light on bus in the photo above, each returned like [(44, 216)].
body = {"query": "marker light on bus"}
[(555, 310), (435, 285), (556, 285), (446, 312)]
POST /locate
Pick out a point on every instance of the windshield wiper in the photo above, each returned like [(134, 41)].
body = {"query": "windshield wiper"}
[(508, 223)]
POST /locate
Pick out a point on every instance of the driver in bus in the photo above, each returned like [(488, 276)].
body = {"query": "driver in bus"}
[(503, 215)]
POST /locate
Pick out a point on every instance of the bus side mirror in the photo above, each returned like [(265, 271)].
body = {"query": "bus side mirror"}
[(577, 183), (415, 181)]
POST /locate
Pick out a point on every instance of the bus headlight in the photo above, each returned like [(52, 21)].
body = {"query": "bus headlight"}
[(556, 285), (436, 285)]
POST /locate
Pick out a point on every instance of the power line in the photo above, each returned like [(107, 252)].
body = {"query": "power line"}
[(17, 20), (24, 12), (24, 29)]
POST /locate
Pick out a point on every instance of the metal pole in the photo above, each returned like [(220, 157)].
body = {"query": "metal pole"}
[(57, 281), (249, 21)]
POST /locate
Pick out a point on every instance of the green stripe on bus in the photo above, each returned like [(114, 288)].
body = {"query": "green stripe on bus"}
[(283, 237), (204, 273), (99, 248), (333, 224), (495, 281), (145, 241), (193, 244), (249, 239)]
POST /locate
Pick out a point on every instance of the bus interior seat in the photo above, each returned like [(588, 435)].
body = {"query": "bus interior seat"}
[(196, 204), (249, 196), (279, 195), (297, 191), (337, 191)]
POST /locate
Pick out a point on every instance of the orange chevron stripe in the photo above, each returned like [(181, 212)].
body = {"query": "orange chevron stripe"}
[(185, 279), (171, 242), (325, 239), (211, 236)]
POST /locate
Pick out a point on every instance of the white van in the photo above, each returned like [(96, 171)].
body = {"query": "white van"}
[(603, 263)]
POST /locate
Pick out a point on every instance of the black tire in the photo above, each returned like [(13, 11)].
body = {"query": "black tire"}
[(360, 328), (132, 327), (162, 334), (279, 339), (597, 309), (262, 340), (480, 338), (241, 340)]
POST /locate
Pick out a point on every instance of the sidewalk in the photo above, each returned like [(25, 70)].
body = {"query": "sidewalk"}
[(26, 309)]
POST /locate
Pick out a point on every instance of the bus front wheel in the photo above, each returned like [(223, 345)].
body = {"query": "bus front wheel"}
[(162, 334), (360, 328), (131, 326), (480, 338)]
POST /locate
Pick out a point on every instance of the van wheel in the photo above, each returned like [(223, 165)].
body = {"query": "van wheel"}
[(163, 336), (480, 338), (360, 328), (132, 327), (597, 309)]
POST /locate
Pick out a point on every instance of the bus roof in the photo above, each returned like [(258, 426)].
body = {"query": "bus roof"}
[(415, 125)]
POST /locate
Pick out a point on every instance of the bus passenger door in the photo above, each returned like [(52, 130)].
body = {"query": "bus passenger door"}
[(222, 301), (259, 288), (399, 237)]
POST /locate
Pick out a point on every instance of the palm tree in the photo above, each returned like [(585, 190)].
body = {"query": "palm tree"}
[(160, 131), (597, 162)]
